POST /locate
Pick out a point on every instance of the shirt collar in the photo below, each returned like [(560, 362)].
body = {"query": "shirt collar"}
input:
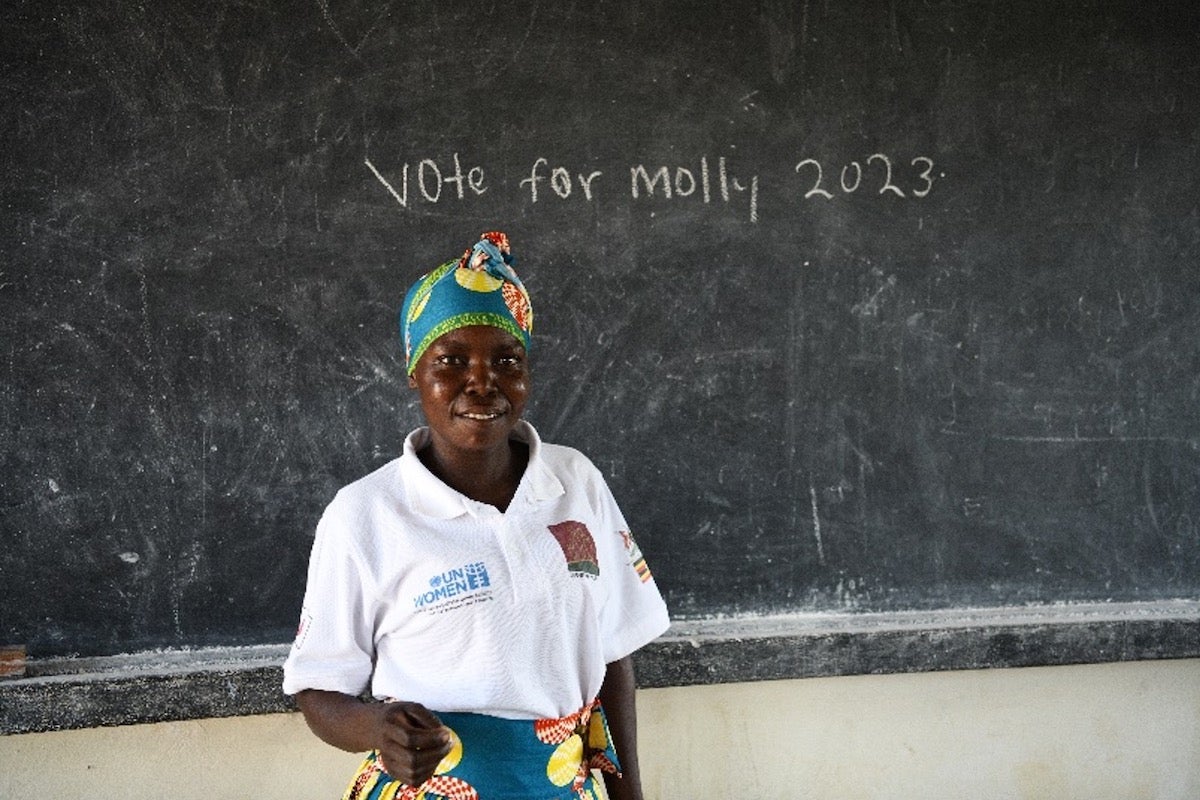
[(429, 496)]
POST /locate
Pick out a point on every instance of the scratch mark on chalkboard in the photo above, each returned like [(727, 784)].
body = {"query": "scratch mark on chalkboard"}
[(803, 39), (784, 46), (870, 306), (1150, 497), (205, 433), (483, 65), (156, 420), (567, 407), (738, 354), (381, 377), (816, 516), (1076, 439), (894, 25), (337, 32), (866, 468), (973, 506), (282, 226), (795, 349)]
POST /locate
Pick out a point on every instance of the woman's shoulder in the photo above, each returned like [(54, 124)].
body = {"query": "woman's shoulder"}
[(561, 453), (573, 468), (361, 511), (382, 483)]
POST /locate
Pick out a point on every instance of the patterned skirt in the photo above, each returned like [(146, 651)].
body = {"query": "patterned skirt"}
[(505, 759)]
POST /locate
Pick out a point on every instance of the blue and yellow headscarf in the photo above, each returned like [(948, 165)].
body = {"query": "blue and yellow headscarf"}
[(481, 288)]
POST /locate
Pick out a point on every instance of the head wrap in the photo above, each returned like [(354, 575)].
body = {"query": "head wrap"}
[(480, 288)]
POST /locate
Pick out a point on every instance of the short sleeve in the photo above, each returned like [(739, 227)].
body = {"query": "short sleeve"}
[(333, 649), (633, 614)]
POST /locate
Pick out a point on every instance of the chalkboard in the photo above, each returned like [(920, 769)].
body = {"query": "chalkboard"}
[(874, 306)]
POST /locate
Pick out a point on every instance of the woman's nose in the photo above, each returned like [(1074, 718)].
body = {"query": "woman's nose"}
[(481, 377)]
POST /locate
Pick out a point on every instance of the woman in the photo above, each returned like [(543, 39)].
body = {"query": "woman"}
[(483, 585)]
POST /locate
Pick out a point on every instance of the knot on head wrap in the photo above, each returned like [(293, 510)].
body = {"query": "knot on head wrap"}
[(480, 288)]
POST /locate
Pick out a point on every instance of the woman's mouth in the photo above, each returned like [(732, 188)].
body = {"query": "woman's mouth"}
[(482, 416)]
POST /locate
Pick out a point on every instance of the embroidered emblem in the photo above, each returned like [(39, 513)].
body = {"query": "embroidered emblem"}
[(578, 547), (306, 620), (636, 559)]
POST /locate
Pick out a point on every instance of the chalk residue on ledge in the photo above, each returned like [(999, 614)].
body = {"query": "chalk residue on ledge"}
[(751, 626)]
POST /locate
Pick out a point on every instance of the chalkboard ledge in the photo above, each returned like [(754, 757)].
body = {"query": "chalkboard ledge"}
[(71, 693)]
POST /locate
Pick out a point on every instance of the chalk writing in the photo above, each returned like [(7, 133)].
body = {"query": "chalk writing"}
[(922, 180), (430, 180), (685, 184), (707, 182), (560, 181)]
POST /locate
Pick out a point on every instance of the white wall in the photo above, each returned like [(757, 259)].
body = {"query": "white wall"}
[(1127, 731)]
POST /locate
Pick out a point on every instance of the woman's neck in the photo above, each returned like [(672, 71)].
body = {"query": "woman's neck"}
[(486, 477)]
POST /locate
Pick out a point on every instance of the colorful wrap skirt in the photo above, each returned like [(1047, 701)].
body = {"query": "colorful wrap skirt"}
[(505, 759)]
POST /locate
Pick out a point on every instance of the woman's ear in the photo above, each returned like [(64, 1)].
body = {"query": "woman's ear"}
[(412, 382)]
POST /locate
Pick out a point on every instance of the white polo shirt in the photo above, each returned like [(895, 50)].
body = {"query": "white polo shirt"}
[(430, 596)]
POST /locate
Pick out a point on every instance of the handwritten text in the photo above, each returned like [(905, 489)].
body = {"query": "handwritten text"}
[(706, 181)]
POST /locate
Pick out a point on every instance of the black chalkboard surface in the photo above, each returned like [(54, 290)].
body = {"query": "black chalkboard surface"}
[(860, 305)]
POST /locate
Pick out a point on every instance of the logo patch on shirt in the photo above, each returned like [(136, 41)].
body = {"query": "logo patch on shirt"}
[(455, 588), (578, 547), (306, 619), (636, 559)]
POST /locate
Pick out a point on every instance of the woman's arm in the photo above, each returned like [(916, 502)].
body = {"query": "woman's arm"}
[(411, 741), (617, 697)]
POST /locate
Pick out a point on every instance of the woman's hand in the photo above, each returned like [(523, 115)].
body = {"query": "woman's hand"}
[(411, 742)]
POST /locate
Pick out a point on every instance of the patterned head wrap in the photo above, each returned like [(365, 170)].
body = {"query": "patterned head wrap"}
[(481, 288)]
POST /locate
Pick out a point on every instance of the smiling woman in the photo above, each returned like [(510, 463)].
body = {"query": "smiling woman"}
[(484, 586)]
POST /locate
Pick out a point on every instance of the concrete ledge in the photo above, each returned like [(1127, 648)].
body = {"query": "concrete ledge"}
[(827, 645), (63, 694)]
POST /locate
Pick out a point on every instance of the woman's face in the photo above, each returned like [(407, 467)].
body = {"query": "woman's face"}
[(473, 383)]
